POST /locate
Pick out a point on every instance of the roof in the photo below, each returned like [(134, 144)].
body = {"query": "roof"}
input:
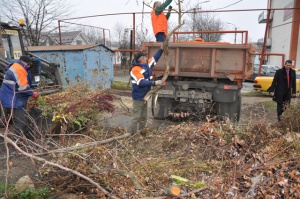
[(64, 47), (47, 35), (66, 37)]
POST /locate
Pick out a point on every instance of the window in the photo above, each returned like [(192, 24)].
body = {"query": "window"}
[(78, 42)]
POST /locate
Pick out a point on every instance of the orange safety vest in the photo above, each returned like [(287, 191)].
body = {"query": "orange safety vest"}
[(20, 74), (159, 23)]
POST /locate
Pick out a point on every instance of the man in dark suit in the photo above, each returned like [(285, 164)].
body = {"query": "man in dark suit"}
[(283, 87)]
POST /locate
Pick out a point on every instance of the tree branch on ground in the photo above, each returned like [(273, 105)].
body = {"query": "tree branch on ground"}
[(46, 162)]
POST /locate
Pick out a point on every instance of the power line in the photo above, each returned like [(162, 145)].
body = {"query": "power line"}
[(229, 5)]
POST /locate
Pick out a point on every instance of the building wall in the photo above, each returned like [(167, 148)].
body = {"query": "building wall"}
[(80, 39), (280, 31)]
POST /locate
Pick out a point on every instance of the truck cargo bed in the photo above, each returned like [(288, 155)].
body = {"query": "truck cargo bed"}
[(205, 60)]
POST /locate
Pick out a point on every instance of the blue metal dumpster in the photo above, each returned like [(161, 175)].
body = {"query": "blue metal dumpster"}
[(89, 64)]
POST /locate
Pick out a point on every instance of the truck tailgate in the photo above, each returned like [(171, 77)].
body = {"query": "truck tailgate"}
[(205, 60)]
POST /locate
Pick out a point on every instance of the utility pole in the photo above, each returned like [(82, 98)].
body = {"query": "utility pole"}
[(131, 44), (235, 35), (195, 10), (194, 21), (235, 28)]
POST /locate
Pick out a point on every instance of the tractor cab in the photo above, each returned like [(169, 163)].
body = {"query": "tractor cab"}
[(12, 47)]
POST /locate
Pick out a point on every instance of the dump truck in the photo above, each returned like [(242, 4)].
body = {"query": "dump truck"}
[(205, 79), (12, 47)]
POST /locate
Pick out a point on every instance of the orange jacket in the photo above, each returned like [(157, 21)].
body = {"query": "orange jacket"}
[(159, 23), (15, 88)]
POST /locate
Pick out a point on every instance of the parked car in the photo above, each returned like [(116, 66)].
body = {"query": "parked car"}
[(264, 72), (263, 83), (270, 68)]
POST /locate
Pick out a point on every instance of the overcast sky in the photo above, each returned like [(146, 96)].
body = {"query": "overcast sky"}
[(241, 20)]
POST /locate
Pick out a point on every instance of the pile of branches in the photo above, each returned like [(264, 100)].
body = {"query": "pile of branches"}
[(74, 107), (206, 161)]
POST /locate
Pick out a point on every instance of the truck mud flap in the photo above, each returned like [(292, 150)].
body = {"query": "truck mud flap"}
[(161, 108), (231, 110), (226, 93)]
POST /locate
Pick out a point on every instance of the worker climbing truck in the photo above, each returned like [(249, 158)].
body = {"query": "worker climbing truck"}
[(205, 79)]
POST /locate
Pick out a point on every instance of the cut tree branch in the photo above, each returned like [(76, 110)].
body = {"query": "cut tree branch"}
[(89, 144), (59, 166)]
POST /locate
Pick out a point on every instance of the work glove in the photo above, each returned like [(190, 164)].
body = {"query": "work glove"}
[(158, 83), (35, 95), (170, 8)]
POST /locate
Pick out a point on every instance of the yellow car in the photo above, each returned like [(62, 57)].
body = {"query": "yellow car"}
[(263, 83)]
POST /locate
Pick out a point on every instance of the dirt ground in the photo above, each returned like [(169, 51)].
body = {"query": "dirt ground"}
[(253, 110)]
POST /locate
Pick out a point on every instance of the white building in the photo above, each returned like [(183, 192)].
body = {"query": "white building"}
[(67, 38), (282, 31)]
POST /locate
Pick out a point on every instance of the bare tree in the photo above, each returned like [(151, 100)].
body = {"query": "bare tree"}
[(39, 15), (94, 35), (204, 21), (260, 42), (121, 40), (142, 35), (118, 35)]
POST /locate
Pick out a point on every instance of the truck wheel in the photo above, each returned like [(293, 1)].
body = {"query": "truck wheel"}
[(161, 109)]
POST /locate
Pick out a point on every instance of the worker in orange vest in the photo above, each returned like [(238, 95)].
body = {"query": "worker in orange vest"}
[(14, 93), (160, 20)]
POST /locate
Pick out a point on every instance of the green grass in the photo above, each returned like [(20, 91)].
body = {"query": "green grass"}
[(256, 93), (37, 193), (121, 85), (270, 104)]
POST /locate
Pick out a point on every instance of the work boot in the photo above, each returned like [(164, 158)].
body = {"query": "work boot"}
[(279, 118)]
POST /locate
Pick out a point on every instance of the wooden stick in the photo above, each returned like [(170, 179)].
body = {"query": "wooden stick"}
[(90, 144)]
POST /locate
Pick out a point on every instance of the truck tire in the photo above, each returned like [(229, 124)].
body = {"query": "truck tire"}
[(161, 110), (230, 110)]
